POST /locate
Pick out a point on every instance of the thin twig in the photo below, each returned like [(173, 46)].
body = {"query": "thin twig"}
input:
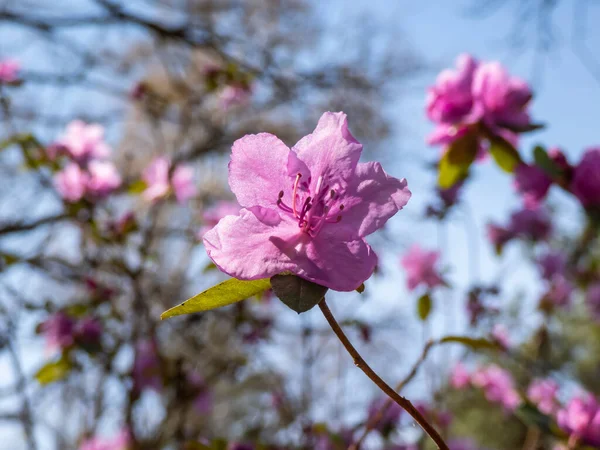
[(359, 362)]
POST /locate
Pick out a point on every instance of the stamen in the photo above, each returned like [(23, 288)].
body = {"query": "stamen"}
[(332, 194), (341, 207), (280, 194), (298, 176)]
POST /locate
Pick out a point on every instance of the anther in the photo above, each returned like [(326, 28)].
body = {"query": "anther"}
[(342, 207), (332, 193), (280, 194)]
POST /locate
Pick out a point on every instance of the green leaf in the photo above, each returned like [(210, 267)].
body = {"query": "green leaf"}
[(424, 306), (473, 343), (503, 152), (544, 162), (53, 371), (530, 415), (455, 163), (522, 128), (137, 187), (223, 294), (297, 293)]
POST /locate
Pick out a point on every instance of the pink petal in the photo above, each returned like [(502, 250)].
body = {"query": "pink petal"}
[(183, 183), (373, 199), (257, 171), (330, 151)]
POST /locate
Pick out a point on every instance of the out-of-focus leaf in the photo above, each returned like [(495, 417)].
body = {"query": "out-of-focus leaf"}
[(528, 128), (196, 446), (473, 343), (53, 371), (209, 267), (223, 294), (544, 162), (455, 163), (361, 288), (503, 152), (530, 415), (8, 259), (297, 293), (137, 187), (424, 305)]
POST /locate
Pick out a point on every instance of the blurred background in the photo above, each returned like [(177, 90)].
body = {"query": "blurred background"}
[(85, 362)]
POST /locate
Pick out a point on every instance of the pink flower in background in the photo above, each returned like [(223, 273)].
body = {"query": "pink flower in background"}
[(498, 386), (83, 142), (58, 330), (234, 95), (460, 377), (156, 176), (9, 70), (586, 178), (450, 99), (501, 336), (390, 418), (592, 298), (146, 367), (71, 183), (531, 223), (121, 441), (104, 178), (420, 267), (499, 99), (542, 393), (182, 181), (559, 293), (87, 331), (581, 419), (498, 235), (532, 183), (305, 210), (552, 264)]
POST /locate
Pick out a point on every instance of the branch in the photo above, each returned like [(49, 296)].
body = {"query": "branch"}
[(17, 227)]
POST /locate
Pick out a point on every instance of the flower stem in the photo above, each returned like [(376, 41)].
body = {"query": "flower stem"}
[(362, 365)]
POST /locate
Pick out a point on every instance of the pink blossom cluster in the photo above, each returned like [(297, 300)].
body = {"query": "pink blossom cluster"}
[(477, 94), (121, 441), (87, 174), (9, 71), (420, 266), (496, 383), (580, 417), (553, 268), (530, 223), (161, 181), (542, 393), (585, 183), (213, 214), (62, 331)]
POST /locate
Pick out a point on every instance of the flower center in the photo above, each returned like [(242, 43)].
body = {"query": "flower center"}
[(312, 211)]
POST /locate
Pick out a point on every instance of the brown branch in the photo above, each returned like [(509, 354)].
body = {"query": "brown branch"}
[(359, 362)]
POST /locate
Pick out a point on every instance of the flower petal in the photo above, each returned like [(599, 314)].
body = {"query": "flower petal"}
[(373, 199), (242, 246), (258, 169), (330, 151), (340, 264)]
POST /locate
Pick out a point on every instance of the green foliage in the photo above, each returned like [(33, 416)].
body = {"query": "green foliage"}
[(455, 164), (53, 371), (472, 343), (424, 306), (297, 293), (503, 152), (223, 294), (544, 162)]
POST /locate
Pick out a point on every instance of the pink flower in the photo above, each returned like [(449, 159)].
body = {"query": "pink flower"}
[(460, 376), (83, 142), (498, 386), (531, 223), (390, 417), (9, 70), (146, 367), (58, 330), (88, 331), (543, 394), (586, 178), (560, 290), (552, 263), (581, 419), (305, 210), (532, 183), (592, 298), (234, 95), (450, 99), (212, 215), (71, 183), (499, 99), (501, 336), (121, 441), (498, 235), (104, 178), (420, 268), (156, 176), (183, 183)]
